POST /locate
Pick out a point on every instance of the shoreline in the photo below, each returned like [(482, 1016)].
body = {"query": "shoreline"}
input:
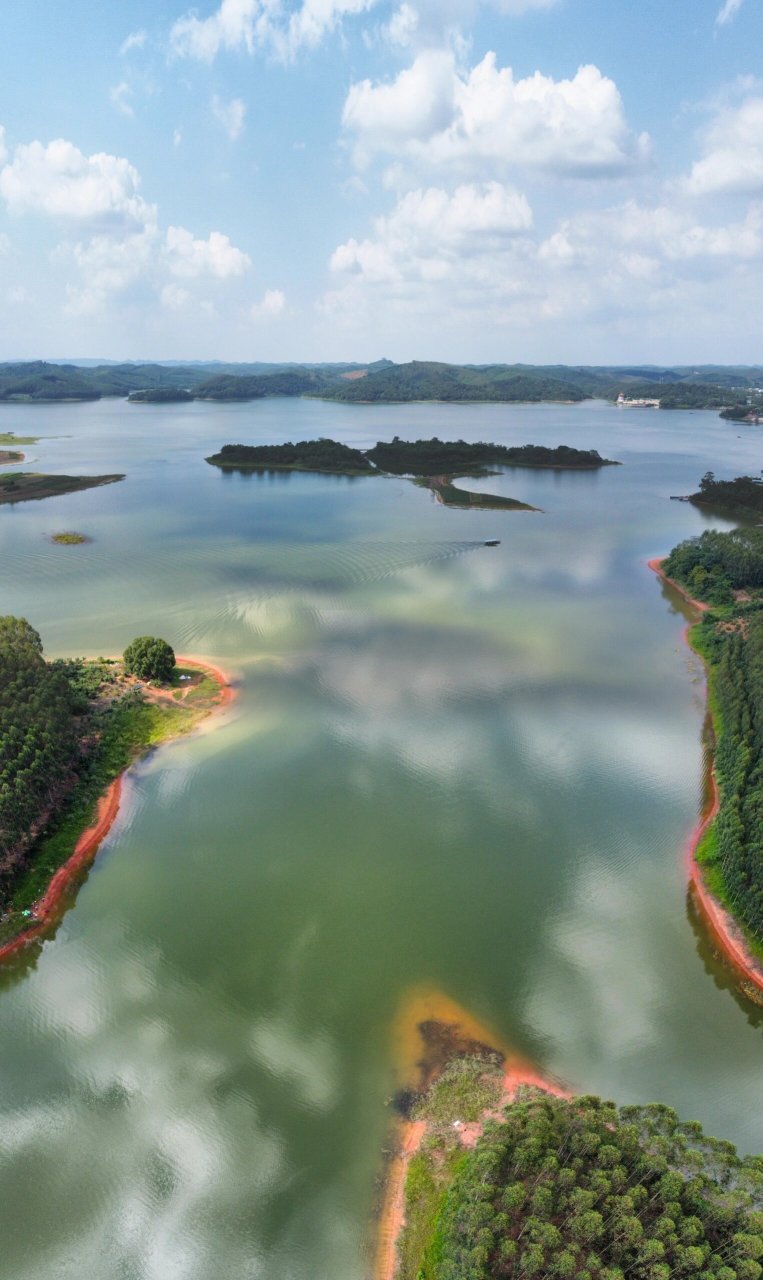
[(47, 910), (425, 1008), (723, 930)]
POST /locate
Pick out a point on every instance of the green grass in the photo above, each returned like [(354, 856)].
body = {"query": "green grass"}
[(466, 1088), (430, 1175), (7, 437)]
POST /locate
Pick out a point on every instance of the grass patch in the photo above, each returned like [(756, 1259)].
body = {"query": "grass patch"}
[(7, 437), (467, 1088), (430, 1174)]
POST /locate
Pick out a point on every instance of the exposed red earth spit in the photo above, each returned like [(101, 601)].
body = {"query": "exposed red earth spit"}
[(726, 935), (428, 1007), (50, 908)]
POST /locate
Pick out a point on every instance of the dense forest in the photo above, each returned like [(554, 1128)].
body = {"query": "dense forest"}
[(426, 380), (581, 1188), (288, 383), (307, 455), (726, 570), (745, 493), (39, 744), (459, 457)]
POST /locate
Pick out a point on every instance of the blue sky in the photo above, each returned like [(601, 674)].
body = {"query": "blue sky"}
[(477, 180)]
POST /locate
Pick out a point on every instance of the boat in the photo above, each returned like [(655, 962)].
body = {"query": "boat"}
[(493, 542)]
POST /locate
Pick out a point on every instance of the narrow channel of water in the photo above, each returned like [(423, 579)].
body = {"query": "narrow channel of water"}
[(449, 764)]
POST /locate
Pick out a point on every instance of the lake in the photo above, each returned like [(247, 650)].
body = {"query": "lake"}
[(467, 767)]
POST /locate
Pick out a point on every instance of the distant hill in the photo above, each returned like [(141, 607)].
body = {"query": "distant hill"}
[(39, 381), (427, 380), (677, 387)]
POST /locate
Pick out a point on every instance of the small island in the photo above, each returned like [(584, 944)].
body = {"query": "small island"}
[(10, 455), (432, 463), (70, 729), (69, 538), (324, 456), (27, 486), (721, 576), (742, 496), (459, 458), (161, 395), (497, 1172)]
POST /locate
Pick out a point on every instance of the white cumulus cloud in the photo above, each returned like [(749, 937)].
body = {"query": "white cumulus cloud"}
[(429, 233), (733, 159), (59, 180), (188, 257), (433, 115)]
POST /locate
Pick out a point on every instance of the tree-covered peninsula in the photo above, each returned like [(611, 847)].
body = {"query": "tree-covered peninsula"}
[(725, 571), (67, 730), (577, 1187), (742, 496)]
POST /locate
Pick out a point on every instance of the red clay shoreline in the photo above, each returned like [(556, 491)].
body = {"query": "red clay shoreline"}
[(48, 910), (724, 931), (424, 1003)]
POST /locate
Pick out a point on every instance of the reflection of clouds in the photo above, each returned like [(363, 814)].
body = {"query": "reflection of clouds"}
[(570, 741), (156, 1101), (309, 1065), (601, 982)]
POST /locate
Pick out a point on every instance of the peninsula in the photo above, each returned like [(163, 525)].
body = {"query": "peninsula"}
[(721, 575), (500, 1173), (26, 486), (70, 729)]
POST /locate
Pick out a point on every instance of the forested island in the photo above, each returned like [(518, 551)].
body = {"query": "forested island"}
[(25, 486), (402, 457), (570, 1187), (432, 463), (724, 572), (308, 455), (459, 458), (68, 729), (742, 496), (161, 395), (382, 381)]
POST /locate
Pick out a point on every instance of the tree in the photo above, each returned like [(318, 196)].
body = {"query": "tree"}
[(149, 658)]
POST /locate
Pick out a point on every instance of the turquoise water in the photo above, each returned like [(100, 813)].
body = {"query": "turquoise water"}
[(469, 767)]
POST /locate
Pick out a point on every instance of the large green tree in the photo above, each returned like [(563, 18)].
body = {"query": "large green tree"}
[(149, 658)]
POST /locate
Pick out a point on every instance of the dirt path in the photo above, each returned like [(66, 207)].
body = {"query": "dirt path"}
[(50, 907), (725, 933)]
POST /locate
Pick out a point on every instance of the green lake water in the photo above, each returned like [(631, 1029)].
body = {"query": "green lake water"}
[(469, 767)]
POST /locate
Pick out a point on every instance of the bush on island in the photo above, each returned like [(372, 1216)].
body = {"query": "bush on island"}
[(149, 658)]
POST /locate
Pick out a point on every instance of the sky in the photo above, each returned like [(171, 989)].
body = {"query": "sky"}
[(572, 181)]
